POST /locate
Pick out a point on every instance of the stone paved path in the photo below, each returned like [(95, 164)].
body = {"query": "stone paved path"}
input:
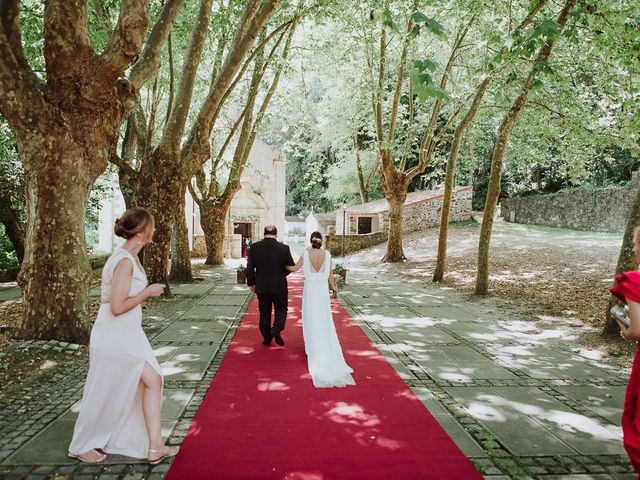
[(189, 333), (520, 404), (517, 403)]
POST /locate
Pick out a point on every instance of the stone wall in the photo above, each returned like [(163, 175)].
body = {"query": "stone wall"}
[(353, 243), (596, 210), (427, 214)]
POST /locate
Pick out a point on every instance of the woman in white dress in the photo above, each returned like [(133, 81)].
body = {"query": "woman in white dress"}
[(120, 409), (325, 360)]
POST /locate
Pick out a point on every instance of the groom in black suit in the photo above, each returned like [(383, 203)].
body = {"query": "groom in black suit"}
[(267, 277)]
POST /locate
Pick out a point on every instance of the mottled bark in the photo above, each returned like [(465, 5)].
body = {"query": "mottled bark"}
[(169, 169), (180, 253), (626, 261), (362, 187), (455, 150), (55, 271), (159, 190), (500, 148), (395, 252), (213, 217)]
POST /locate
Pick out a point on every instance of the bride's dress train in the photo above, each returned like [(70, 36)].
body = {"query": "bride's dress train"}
[(325, 360)]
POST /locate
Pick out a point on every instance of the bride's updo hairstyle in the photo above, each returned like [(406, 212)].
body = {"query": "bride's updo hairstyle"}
[(132, 222), (316, 240)]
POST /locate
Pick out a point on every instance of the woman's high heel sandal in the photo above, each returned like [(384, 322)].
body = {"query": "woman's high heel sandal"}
[(166, 452), (101, 457)]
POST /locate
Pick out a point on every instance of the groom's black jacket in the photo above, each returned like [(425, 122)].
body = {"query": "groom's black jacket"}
[(266, 266)]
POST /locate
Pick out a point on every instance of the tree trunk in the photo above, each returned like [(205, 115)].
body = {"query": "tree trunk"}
[(160, 189), (438, 274), (362, 187), (395, 253), (626, 261), (180, 254), (493, 190), (55, 272), (212, 219)]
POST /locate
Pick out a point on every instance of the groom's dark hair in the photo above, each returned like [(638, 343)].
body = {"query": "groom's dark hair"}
[(270, 230)]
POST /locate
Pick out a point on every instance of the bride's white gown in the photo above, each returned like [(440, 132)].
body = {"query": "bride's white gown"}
[(324, 354)]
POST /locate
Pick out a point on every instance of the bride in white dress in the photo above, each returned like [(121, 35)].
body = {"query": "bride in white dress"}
[(120, 409), (325, 360)]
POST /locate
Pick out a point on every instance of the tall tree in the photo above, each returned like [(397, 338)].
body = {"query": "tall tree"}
[(213, 200), (65, 126), (396, 174), (163, 176), (553, 29)]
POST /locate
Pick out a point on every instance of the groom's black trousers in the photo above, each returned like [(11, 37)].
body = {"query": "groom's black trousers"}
[(277, 301)]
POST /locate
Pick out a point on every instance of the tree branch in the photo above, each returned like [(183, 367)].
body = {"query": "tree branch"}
[(425, 148), (121, 164), (66, 31), (194, 194), (400, 79), (174, 130), (21, 100), (149, 62), (199, 137)]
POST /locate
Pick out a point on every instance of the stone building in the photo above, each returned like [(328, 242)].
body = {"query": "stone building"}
[(365, 225), (259, 202), (320, 222)]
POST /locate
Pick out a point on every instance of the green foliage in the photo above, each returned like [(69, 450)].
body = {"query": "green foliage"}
[(8, 257), (339, 268)]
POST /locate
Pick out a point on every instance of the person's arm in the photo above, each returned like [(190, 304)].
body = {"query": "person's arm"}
[(288, 260), (332, 279), (632, 332), (297, 266), (121, 302), (251, 271)]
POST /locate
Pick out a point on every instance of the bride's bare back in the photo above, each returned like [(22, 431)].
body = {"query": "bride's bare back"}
[(316, 257)]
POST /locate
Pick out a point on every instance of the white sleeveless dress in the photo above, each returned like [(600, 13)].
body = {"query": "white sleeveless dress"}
[(111, 416), (325, 360)]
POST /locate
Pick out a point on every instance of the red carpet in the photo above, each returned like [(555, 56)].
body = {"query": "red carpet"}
[(263, 419)]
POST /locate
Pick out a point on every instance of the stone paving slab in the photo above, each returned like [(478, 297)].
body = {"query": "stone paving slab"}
[(548, 362), (496, 378), (205, 312), (38, 451), (588, 435), (188, 363), (508, 423), (190, 288), (474, 363), (222, 299), (444, 313), (421, 335), (602, 401)]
